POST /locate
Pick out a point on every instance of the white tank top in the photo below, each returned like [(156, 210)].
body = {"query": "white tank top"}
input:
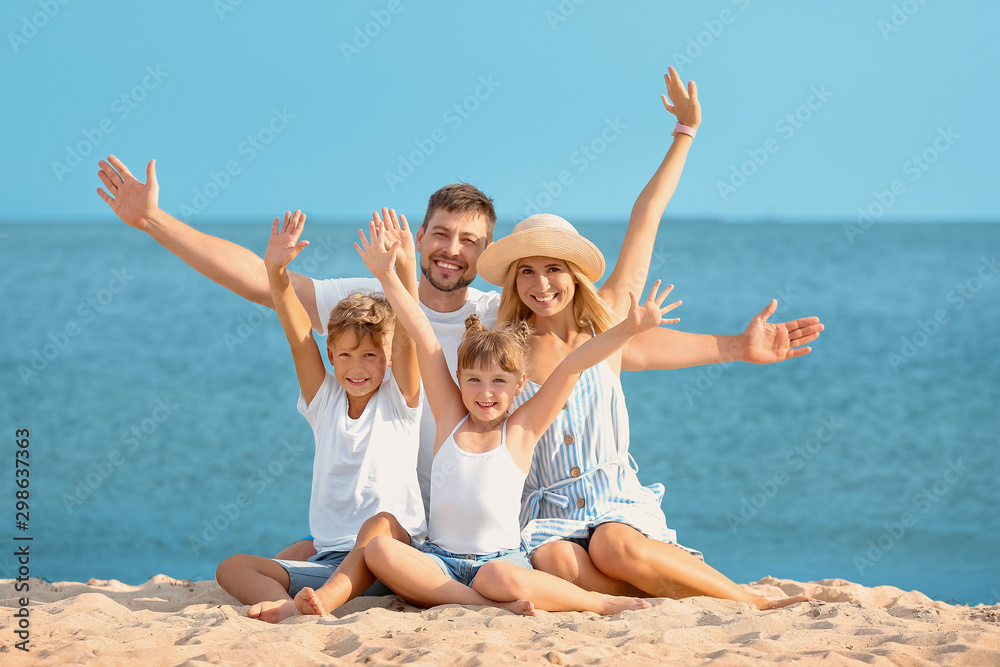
[(475, 498)]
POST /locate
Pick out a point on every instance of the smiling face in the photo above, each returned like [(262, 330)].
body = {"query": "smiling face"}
[(545, 285), (488, 392), (449, 246), (359, 366)]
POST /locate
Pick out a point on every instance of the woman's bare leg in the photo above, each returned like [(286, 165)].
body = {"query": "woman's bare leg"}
[(666, 570), (499, 580), (570, 561), (353, 577), (417, 579)]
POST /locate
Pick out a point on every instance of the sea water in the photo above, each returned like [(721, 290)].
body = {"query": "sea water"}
[(164, 435)]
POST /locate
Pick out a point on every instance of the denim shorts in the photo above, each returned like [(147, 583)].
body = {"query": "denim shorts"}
[(315, 572), (464, 567)]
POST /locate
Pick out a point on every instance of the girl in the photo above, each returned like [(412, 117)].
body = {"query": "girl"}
[(481, 457)]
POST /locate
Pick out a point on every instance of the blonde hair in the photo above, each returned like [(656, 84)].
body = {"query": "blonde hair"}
[(503, 346), (367, 315), (588, 306)]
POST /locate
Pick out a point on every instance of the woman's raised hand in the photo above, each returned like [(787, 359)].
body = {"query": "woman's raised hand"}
[(649, 314), (683, 103), (284, 245)]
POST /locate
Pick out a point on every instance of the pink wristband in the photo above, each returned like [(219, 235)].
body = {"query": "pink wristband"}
[(684, 129)]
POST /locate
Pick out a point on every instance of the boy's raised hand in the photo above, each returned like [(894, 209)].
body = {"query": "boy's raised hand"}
[(682, 102), (379, 255), (649, 315), (284, 244), (396, 228)]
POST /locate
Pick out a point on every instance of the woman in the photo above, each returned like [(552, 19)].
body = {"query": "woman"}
[(583, 485)]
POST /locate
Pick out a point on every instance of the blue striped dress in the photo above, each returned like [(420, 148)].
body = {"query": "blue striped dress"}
[(582, 474)]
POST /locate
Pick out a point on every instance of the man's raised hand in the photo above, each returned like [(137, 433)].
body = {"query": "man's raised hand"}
[(132, 201), (767, 343), (284, 245)]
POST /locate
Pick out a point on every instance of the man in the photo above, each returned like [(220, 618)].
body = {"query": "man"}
[(455, 231)]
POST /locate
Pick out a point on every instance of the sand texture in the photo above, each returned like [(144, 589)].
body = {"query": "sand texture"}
[(171, 622)]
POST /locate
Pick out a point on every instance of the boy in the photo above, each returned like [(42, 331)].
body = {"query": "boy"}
[(366, 421)]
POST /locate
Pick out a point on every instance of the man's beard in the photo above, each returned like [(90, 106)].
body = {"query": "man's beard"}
[(461, 283)]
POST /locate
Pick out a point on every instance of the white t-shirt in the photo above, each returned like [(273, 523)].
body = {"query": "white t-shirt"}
[(363, 466), (449, 329)]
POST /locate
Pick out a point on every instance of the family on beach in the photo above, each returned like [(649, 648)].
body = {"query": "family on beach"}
[(473, 447)]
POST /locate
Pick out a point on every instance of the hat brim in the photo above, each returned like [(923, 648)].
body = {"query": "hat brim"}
[(496, 260)]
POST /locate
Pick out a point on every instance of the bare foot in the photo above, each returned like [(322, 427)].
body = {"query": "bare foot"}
[(519, 607), (273, 612), (308, 603), (614, 604), (778, 604)]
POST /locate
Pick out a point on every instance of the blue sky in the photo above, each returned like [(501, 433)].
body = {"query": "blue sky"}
[(812, 111)]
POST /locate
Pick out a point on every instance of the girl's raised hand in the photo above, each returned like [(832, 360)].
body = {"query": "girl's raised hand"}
[(684, 101), (396, 228), (649, 315), (284, 245), (379, 255)]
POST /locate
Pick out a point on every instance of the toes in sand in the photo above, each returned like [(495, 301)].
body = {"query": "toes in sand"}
[(272, 612), (308, 603)]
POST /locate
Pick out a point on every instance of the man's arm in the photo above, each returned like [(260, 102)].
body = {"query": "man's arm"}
[(232, 266), (761, 343)]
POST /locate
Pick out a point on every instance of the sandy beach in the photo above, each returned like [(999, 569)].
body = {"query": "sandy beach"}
[(173, 622)]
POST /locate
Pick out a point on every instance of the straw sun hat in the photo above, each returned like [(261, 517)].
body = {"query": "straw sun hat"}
[(542, 235)]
